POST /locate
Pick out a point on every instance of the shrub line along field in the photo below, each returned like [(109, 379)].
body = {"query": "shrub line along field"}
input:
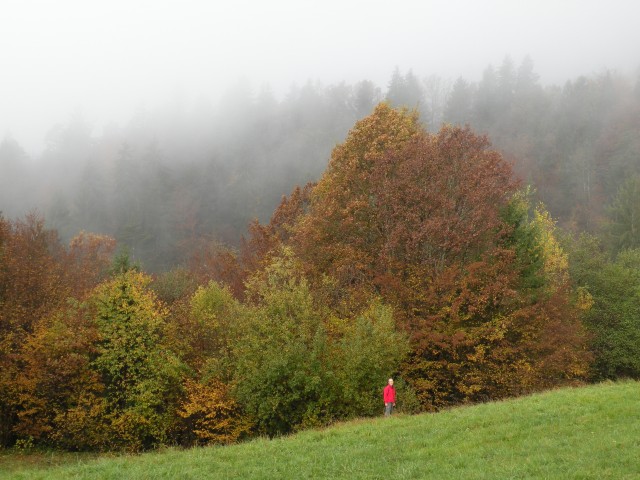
[(576, 433)]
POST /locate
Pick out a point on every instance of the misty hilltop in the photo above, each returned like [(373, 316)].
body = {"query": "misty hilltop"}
[(173, 126), (177, 178)]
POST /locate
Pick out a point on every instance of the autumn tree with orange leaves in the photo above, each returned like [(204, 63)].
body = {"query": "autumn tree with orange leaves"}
[(434, 224), (37, 276)]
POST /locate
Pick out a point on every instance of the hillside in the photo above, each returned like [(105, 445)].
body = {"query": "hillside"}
[(590, 432)]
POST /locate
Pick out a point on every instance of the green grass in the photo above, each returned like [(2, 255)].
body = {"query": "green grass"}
[(591, 432)]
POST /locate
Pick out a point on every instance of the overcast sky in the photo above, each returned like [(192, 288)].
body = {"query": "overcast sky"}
[(105, 58)]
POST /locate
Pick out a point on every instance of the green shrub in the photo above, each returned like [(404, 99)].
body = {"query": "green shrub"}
[(614, 316)]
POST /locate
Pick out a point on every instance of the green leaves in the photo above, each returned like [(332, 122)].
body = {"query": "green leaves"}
[(298, 366), (614, 314), (141, 377), (624, 216)]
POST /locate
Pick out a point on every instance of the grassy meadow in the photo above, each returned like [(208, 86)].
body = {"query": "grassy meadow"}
[(590, 432)]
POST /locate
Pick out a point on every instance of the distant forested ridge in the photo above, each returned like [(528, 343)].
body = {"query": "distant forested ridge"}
[(184, 175)]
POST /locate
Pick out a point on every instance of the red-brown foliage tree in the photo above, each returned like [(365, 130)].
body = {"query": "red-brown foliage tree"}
[(426, 221), (37, 276), (87, 261), (30, 287)]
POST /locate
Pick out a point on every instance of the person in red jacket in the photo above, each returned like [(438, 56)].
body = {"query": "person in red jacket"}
[(389, 397)]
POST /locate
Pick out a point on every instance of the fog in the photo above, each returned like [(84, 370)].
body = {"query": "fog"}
[(171, 125), (106, 59)]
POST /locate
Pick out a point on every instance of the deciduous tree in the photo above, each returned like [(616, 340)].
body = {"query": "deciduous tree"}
[(141, 377)]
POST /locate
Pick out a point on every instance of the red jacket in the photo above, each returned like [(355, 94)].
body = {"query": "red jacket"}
[(389, 394)]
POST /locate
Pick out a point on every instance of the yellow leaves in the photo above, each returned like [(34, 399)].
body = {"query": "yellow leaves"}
[(99, 247), (384, 129), (556, 261), (211, 414), (127, 295), (478, 354), (209, 302), (584, 300)]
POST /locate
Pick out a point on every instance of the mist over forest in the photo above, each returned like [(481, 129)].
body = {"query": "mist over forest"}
[(443, 193), (188, 173), (168, 126)]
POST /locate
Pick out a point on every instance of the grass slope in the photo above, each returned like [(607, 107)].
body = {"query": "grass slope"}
[(591, 432)]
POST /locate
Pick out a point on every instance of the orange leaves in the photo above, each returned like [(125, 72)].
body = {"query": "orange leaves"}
[(419, 219), (395, 198), (478, 336), (210, 416), (211, 260), (89, 258), (56, 377), (264, 240), (31, 274), (32, 284), (440, 197), (342, 214)]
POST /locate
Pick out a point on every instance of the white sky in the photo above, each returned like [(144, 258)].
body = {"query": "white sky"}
[(104, 58)]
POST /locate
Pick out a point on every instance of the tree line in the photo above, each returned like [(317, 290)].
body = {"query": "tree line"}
[(416, 254)]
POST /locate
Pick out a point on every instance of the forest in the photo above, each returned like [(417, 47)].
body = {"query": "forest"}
[(207, 274)]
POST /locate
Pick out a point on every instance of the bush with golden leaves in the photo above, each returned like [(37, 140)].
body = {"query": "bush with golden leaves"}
[(209, 415)]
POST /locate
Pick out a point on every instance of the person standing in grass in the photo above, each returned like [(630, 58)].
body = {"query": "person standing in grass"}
[(389, 396)]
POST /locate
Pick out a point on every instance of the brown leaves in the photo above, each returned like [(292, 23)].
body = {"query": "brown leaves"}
[(37, 276), (340, 232), (419, 219), (88, 260), (439, 198)]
